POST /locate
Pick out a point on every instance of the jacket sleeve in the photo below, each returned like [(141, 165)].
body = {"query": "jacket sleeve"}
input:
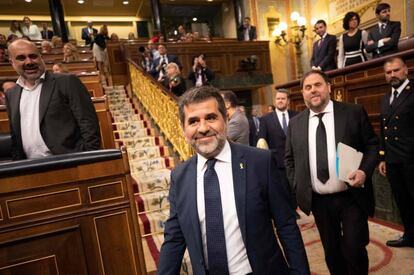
[(341, 52), (289, 159), (395, 37), (330, 54), (172, 250)]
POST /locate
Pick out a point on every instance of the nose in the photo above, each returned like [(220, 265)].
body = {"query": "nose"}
[(203, 127)]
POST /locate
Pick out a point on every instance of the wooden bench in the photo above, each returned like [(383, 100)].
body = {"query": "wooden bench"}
[(69, 214), (58, 56), (102, 111)]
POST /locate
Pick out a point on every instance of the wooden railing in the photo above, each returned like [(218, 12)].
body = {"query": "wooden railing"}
[(162, 108)]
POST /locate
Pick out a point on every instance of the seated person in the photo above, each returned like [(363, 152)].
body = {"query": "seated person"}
[(46, 46), (4, 86), (114, 38), (3, 56), (70, 53), (200, 74), (60, 68), (131, 36), (173, 81), (160, 63), (3, 40), (56, 42)]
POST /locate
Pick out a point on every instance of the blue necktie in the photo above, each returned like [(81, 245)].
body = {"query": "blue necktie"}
[(284, 124), (216, 240)]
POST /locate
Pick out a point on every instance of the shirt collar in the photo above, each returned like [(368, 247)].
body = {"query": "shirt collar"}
[(324, 35), (382, 23), (20, 82), (223, 156), (328, 109), (280, 112), (402, 86)]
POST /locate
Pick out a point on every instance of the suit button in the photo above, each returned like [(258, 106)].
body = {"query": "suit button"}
[(396, 117), (396, 138), (385, 128), (384, 119), (386, 138), (395, 128)]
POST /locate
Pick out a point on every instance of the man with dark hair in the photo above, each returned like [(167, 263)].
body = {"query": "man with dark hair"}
[(341, 208), (45, 32), (89, 33), (160, 64), (48, 113), (323, 53), (246, 32), (397, 144), (383, 38), (224, 200), (238, 125)]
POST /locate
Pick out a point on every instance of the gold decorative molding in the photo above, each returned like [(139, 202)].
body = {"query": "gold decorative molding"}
[(162, 108)]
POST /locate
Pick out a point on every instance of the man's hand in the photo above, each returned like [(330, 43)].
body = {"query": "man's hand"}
[(382, 167), (386, 39), (357, 178), (371, 42)]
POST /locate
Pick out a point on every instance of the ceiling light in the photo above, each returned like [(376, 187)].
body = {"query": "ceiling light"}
[(81, 1), (209, 0), (28, 1), (125, 2), (195, 19)]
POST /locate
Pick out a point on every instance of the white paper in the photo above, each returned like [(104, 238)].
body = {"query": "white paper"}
[(348, 161)]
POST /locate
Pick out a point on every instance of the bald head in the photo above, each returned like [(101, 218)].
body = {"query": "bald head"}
[(26, 61)]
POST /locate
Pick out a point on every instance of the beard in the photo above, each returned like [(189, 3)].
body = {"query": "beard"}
[(208, 149), (396, 82)]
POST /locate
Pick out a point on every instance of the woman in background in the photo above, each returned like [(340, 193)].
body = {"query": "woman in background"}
[(70, 53), (99, 48), (16, 29), (351, 49)]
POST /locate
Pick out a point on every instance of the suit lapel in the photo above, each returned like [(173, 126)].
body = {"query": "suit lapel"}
[(401, 98), (340, 122), (277, 122), (239, 183), (191, 179), (14, 111), (45, 95)]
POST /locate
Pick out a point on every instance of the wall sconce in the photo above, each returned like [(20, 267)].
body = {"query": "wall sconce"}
[(297, 31)]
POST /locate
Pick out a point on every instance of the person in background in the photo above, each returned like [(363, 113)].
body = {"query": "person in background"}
[(397, 144), (238, 125), (323, 53), (383, 38), (254, 127), (88, 33), (30, 30), (154, 49), (200, 74), (46, 46), (60, 68), (3, 40), (131, 36), (160, 63), (271, 108), (3, 56), (181, 34), (114, 38), (246, 32), (99, 48), (70, 53), (173, 80), (50, 113), (353, 42), (16, 29), (56, 42), (4, 86), (46, 33)]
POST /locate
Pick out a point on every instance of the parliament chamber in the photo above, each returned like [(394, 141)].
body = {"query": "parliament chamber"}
[(104, 211)]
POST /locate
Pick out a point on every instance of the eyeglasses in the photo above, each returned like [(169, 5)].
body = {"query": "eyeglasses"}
[(23, 57)]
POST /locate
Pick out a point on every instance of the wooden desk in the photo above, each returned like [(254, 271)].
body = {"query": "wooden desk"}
[(75, 214), (85, 65)]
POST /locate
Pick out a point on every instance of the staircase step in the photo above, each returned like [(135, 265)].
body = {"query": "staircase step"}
[(151, 181), (147, 152), (142, 142), (153, 221), (148, 165), (133, 125), (152, 201)]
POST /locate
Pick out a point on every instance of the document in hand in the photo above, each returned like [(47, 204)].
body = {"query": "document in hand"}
[(348, 161)]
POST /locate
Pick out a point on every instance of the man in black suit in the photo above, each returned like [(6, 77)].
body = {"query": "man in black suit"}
[(45, 32), (223, 202), (254, 127), (397, 144), (323, 53), (159, 65), (89, 33), (341, 208), (383, 38), (273, 128), (246, 32), (48, 113)]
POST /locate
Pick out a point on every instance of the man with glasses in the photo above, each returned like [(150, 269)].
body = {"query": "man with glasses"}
[(48, 113)]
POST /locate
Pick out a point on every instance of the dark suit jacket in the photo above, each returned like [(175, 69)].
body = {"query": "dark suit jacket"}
[(253, 131), (49, 34), (353, 128), (85, 35), (323, 56), (68, 121), (272, 132), (207, 76), (252, 33), (392, 30), (397, 127), (259, 200), (156, 62)]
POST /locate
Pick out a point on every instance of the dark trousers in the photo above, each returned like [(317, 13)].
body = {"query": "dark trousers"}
[(343, 228), (284, 181), (401, 178)]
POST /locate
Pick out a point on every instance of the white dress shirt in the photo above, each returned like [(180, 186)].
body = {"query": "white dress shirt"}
[(238, 262), (333, 185), (32, 32), (33, 144), (280, 117), (399, 90)]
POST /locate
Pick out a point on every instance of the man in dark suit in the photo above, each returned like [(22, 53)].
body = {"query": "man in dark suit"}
[(246, 32), (383, 38), (45, 32), (323, 53), (254, 127), (223, 202), (341, 208), (159, 65), (273, 129), (89, 33), (48, 113), (397, 144)]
